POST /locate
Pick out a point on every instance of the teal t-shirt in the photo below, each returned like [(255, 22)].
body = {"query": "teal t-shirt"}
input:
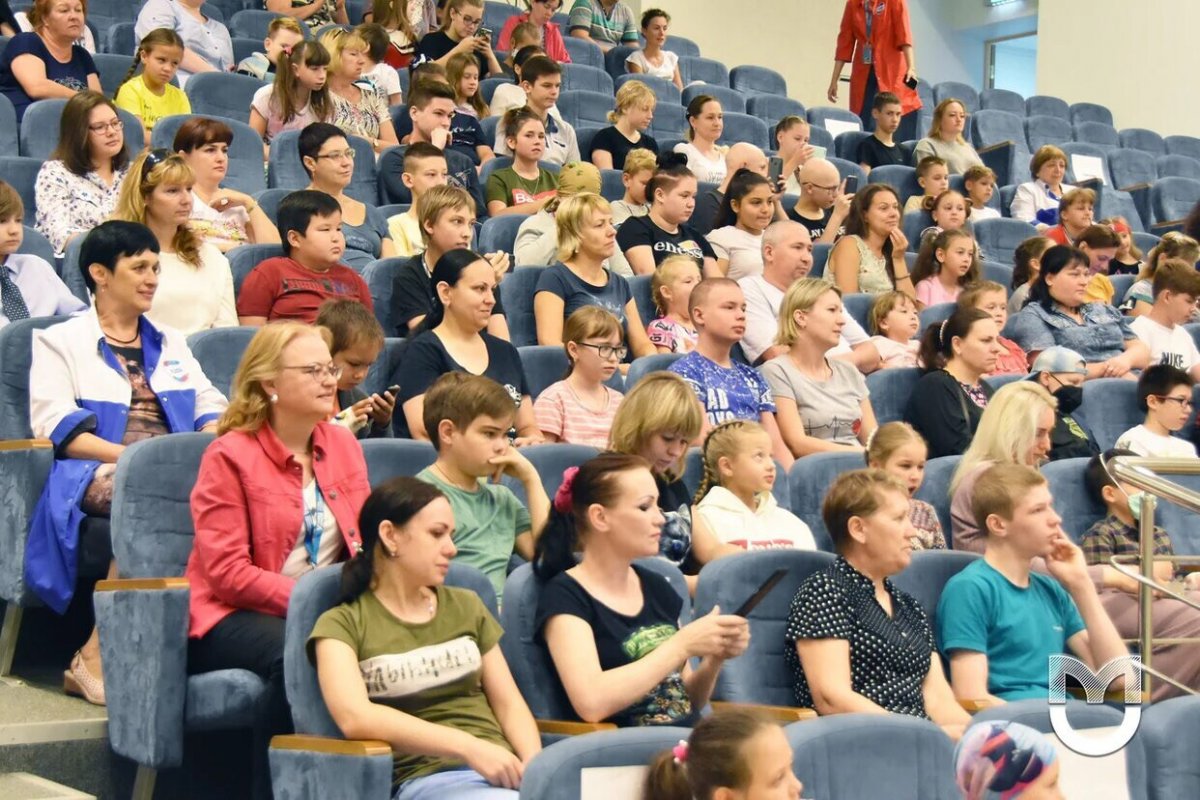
[(486, 524), (1017, 628)]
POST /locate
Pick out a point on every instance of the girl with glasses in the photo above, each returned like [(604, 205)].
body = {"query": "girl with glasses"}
[(580, 408)]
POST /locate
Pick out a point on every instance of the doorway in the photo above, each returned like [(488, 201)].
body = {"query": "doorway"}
[(1012, 64)]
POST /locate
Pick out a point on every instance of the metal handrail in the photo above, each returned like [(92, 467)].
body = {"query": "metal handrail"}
[(1143, 473)]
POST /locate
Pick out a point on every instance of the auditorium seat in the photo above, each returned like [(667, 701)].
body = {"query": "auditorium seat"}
[(1113, 203), (935, 490), (1001, 273), (965, 94), (845, 145), (681, 46), (121, 39), (730, 99), (113, 68), (1143, 139), (858, 306), (1072, 499), (744, 128), (809, 480), (666, 91), (1100, 134), (890, 390), (393, 458), (40, 126), (1131, 167), (912, 224), (286, 171), (246, 257), (693, 69), (848, 168), (899, 177), (927, 574), (873, 755), (499, 234), (71, 274), (269, 199), (1085, 149), (994, 127), (1177, 167), (1173, 198), (223, 94), (582, 107), (1090, 112), (21, 173), (379, 275), (143, 618), (573, 768), (545, 364), (487, 87), (297, 770), (581, 76), (1000, 237), (641, 367), (1039, 104), (245, 170), (550, 461), (582, 51), (1183, 146), (751, 80), (251, 23), (936, 314), (771, 108), (1002, 100), (669, 122), (1043, 129), (219, 351), (614, 60), (643, 297), (612, 184), (818, 115), (517, 292), (760, 675)]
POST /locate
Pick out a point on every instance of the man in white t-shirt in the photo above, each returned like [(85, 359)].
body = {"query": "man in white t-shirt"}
[(787, 257), (1176, 288)]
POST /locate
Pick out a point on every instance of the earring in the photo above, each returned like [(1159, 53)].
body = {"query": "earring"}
[(274, 398)]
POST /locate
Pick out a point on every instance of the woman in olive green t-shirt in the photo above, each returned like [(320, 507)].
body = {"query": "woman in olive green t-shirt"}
[(413, 662)]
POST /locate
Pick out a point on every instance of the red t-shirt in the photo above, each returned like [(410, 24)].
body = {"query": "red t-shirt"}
[(280, 288), (1058, 234)]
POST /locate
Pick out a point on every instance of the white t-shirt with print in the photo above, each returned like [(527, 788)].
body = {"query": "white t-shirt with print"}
[(1173, 346)]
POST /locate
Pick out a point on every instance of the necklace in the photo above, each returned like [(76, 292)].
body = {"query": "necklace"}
[(108, 335)]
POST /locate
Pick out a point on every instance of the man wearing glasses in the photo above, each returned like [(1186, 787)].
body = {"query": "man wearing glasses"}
[(823, 204)]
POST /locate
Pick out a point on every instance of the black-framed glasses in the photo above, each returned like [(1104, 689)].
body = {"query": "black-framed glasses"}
[(318, 371), (1184, 402), (154, 158), (607, 351)]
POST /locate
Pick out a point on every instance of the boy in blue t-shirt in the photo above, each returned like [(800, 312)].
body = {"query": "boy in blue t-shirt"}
[(998, 621), (726, 389)]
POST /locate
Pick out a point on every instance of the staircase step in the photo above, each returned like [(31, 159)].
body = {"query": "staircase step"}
[(24, 786)]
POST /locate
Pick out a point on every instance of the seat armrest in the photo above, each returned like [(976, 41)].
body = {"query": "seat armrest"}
[(304, 767), (1140, 192), (1161, 228), (143, 626), (562, 727), (24, 466), (780, 714), (973, 705)]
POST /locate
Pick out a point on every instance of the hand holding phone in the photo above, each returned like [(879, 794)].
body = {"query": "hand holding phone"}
[(774, 169), (850, 184)]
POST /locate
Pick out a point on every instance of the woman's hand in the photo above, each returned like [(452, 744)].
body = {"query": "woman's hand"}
[(498, 766), (224, 199), (715, 634), (910, 75), (1118, 366), (899, 243), (500, 262), (832, 94)]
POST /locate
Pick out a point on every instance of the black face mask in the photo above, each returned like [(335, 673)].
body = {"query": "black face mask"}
[(1069, 399)]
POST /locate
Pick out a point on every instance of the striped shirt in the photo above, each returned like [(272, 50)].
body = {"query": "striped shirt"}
[(558, 411)]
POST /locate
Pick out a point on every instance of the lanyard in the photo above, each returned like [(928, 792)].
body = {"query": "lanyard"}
[(314, 524), (868, 50)]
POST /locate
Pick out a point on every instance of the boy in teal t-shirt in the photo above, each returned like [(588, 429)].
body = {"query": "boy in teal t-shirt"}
[(468, 418), (998, 621)]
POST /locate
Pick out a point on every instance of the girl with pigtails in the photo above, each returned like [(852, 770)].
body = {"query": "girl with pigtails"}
[(731, 755), (152, 96), (612, 626), (456, 731), (734, 498)]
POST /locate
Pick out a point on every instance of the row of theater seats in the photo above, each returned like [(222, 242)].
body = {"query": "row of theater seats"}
[(152, 702)]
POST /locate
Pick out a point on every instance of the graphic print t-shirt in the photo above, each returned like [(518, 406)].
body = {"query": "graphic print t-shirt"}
[(432, 670), (736, 392), (687, 241), (622, 639)]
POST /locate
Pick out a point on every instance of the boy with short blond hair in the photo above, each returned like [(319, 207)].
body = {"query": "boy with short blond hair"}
[(1076, 213), (933, 176), (29, 286), (1176, 288), (424, 167), (467, 417), (283, 34)]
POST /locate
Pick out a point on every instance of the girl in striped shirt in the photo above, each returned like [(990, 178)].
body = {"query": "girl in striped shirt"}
[(580, 408)]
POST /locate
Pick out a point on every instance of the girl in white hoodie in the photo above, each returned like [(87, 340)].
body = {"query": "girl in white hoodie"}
[(735, 499)]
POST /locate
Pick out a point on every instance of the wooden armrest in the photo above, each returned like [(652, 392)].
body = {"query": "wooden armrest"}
[(997, 146), (565, 727), (1137, 187), (327, 744), (1090, 183), (141, 584), (780, 714), (26, 444), (973, 705), (1169, 225), (1110, 695)]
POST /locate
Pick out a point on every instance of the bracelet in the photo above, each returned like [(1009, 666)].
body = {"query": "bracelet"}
[(253, 207), (905, 277)]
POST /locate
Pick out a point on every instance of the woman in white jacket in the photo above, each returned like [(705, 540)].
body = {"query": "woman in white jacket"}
[(735, 499)]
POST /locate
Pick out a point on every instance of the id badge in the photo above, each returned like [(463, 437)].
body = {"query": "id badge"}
[(867, 54)]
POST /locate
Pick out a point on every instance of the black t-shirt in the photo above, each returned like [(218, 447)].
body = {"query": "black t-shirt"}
[(622, 640), (425, 360), (465, 135), (942, 412), (638, 231), (1124, 268), (875, 153), (437, 44), (1070, 439), (614, 141), (412, 295), (816, 227), (7, 18)]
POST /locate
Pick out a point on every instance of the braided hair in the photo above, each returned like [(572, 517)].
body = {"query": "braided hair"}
[(159, 37), (723, 441)]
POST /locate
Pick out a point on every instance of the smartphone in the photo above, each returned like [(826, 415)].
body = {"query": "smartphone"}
[(484, 33), (774, 169), (394, 390), (851, 184), (911, 83), (764, 590)]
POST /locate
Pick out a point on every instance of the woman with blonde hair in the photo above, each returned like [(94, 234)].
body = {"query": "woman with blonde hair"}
[(277, 495), (195, 284), (632, 115), (357, 111), (821, 403), (1014, 429), (586, 240), (945, 139), (657, 420)]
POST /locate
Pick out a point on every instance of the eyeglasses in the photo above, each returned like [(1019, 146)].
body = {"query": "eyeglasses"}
[(471, 22), (1184, 402), (338, 155), (104, 127), (833, 188), (607, 351), (318, 371)]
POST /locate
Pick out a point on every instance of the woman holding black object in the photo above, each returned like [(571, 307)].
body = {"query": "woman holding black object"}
[(861, 644), (875, 38), (611, 626)]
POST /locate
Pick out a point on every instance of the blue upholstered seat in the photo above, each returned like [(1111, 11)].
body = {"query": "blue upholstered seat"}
[(810, 478), (219, 351)]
